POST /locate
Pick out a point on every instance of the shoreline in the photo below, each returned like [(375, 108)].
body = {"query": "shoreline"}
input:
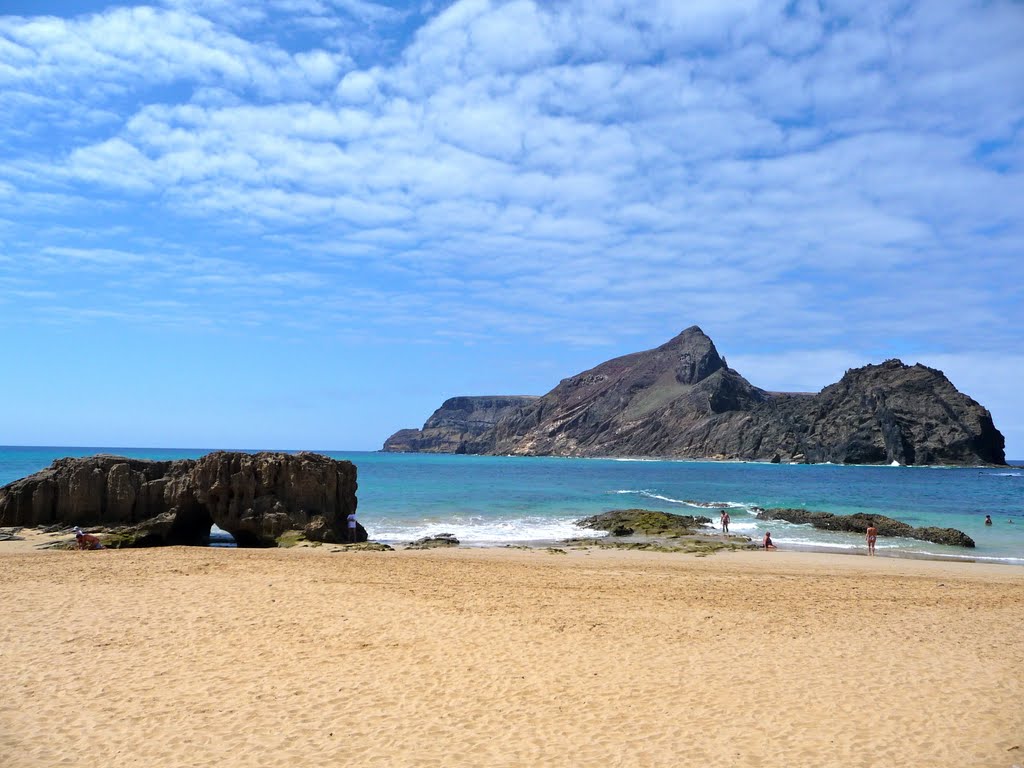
[(38, 540), (691, 459)]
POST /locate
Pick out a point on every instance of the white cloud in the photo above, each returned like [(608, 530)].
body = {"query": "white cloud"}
[(112, 162), (369, 12), (320, 67), (357, 87), (98, 256), (144, 47)]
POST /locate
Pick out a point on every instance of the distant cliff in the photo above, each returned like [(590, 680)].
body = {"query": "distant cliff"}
[(681, 400), (458, 426)]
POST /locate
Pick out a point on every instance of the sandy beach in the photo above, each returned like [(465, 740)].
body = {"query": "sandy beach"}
[(506, 657)]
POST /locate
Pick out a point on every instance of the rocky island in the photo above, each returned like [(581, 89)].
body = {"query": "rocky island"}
[(681, 400)]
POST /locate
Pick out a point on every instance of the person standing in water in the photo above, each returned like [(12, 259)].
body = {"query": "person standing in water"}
[(725, 521), (872, 535)]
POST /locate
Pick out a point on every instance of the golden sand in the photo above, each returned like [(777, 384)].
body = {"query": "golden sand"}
[(492, 657)]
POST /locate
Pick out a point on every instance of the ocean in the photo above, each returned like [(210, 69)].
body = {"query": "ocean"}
[(489, 500)]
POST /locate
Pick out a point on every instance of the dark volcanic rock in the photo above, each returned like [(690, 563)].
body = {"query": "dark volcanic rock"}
[(432, 542), (254, 497), (11, 534), (625, 522), (666, 401), (682, 400), (884, 413), (951, 536), (460, 425), (859, 523)]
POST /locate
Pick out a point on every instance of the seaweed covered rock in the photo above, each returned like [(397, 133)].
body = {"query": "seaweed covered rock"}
[(365, 546), (859, 523), (950, 536), (648, 522)]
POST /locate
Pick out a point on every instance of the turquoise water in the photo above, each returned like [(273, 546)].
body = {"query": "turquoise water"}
[(495, 499)]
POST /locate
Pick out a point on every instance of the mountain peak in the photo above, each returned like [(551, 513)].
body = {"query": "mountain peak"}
[(694, 353), (691, 335)]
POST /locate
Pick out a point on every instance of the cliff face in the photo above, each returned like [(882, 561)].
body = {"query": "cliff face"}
[(460, 425), (682, 400), (255, 497), (895, 412)]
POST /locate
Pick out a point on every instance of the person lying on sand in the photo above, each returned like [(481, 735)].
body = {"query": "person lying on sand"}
[(768, 541)]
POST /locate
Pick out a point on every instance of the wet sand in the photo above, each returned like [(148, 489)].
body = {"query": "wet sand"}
[(506, 657)]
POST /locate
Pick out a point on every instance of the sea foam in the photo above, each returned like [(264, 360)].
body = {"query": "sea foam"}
[(482, 531)]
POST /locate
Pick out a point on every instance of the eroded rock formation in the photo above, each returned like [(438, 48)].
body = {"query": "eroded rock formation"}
[(682, 400), (254, 497)]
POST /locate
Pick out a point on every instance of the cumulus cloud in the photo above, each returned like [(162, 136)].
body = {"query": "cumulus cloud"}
[(135, 49)]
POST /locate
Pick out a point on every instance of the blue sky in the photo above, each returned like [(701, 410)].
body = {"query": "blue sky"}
[(305, 223)]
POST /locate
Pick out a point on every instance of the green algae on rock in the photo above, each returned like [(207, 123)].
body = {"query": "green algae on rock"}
[(625, 522)]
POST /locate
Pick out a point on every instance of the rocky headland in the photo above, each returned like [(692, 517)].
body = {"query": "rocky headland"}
[(460, 425), (258, 498), (681, 400)]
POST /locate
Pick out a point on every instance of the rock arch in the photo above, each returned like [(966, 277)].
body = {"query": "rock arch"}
[(254, 497)]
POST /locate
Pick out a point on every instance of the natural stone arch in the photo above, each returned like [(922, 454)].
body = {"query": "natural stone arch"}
[(254, 497)]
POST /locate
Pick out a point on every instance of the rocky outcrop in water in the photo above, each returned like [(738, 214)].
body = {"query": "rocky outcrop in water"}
[(859, 523), (457, 426), (254, 497), (648, 522), (681, 400)]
